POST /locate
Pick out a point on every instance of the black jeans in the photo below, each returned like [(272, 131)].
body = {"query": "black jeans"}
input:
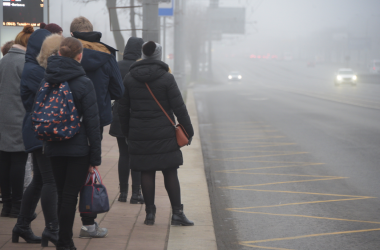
[(12, 172), (70, 175), (124, 168), (42, 185)]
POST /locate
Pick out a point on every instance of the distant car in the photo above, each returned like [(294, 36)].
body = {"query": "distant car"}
[(374, 67), (311, 64), (234, 76), (346, 76)]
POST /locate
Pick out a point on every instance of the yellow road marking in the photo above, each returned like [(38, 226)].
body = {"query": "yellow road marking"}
[(310, 235), (284, 182), (258, 156), (304, 216), (274, 248), (295, 192), (288, 166), (306, 202)]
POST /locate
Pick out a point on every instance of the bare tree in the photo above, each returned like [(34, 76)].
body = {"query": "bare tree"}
[(112, 12)]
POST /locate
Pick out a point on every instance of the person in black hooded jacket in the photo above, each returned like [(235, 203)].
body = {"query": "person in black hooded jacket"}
[(100, 65), (132, 53), (72, 159), (151, 136)]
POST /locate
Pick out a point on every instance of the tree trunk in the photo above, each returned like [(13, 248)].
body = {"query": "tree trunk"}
[(119, 39), (132, 20)]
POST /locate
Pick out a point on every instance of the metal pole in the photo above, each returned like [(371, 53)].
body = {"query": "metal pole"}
[(151, 21), (46, 12), (1, 26), (164, 41), (178, 43)]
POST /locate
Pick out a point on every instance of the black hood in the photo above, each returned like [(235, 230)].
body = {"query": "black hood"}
[(133, 48), (61, 69), (34, 44), (88, 36), (148, 70)]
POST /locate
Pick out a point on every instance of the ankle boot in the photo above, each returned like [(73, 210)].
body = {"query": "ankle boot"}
[(7, 206), (50, 234), (150, 215), (179, 218), (22, 229), (15, 211), (136, 197), (123, 193)]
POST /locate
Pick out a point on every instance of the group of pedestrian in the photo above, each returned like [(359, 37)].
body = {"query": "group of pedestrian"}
[(145, 94)]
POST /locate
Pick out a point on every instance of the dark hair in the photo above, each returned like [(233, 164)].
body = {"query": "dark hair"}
[(149, 48), (81, 24), (71, 47), (42, 25), (6, 47), (23, 37), (53, 28)]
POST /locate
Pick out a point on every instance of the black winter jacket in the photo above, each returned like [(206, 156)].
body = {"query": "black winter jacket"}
[(151, 137), (30, 82), (103, 71), (132, 53), (88, 140)]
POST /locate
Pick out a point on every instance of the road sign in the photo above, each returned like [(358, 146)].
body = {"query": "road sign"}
[(227, 20), (166, 8)]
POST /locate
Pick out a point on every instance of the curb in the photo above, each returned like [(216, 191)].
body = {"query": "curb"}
[(195, 195)]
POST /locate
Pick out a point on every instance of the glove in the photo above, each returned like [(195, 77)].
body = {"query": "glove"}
[(190, 139)]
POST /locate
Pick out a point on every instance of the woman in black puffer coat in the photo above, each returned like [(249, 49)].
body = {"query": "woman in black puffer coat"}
[(132, 53), (151, 137), (72, 159)]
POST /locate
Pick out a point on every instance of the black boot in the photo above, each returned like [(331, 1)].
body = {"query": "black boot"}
[(15, 211), (22, 229), (136, 197), (179, 218), (7, 206), (150, 215), (123, 193), (50, 234)]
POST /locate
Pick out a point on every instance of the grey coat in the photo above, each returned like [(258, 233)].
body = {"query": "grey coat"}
[(12, 111)]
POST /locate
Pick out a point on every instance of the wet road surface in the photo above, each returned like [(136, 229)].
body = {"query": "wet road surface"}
[(292, 161)]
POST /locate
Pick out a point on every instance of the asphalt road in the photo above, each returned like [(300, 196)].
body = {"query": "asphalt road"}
[(292, 161)]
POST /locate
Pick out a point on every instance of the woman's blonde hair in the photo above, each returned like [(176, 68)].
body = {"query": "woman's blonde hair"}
[(49, 48)]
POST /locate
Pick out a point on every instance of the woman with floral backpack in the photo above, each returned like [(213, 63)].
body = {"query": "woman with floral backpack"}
[(73, 158)]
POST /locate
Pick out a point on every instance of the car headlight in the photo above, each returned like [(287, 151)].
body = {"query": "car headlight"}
[(239, 77), (339, 78), (230, 77), (355, 78)]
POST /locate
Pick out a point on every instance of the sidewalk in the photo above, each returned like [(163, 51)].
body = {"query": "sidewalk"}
[(125, 221)]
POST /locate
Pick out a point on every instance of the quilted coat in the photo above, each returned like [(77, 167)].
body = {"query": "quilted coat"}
[(30, 82), (88, 141), (132, 53), (151, 137)]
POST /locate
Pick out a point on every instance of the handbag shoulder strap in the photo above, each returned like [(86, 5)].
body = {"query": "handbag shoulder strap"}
[(163, 110)]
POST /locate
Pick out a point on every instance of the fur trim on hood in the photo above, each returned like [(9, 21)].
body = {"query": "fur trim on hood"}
[(49, 48)]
